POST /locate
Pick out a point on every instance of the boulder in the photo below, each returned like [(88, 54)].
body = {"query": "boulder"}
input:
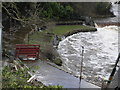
[(58, 61), (89, 21)]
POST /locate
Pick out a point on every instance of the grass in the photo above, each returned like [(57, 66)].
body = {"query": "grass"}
[(45, 39), (40, 38), (63, 29), (45, 42)]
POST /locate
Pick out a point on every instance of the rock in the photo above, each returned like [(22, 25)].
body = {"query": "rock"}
[(117, 2), (56, 40), (58, 61), (89, 21), (43, 28)]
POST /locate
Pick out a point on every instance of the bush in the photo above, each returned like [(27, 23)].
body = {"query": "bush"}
[(103, 8), (18, 79)]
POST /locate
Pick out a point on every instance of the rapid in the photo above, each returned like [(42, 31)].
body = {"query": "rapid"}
[(100, 51)]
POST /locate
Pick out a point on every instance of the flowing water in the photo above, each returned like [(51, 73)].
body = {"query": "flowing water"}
[(100, 52), (116, 11)]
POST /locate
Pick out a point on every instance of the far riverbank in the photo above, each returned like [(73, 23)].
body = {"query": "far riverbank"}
[(50, 38)]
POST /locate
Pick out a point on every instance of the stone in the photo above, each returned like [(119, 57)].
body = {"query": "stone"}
[(89, 21), (58, 61)]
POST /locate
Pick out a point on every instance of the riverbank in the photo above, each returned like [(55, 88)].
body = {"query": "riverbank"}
[(48, 74), (98, 56), (45, 39), (50, 38)]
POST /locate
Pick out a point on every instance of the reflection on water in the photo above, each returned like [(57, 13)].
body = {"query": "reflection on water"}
[(101, 50)]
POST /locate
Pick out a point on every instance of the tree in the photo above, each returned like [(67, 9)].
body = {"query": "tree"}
[(103, 8)]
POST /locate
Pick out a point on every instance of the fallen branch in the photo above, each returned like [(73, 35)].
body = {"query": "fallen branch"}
[(32, 78)]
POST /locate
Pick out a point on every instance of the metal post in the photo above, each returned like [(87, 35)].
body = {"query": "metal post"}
[(113, 71), (81, 67)]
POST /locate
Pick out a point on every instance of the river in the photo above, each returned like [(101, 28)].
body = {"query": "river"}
[(100, 51)]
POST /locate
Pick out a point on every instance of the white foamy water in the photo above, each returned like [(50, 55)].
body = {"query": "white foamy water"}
[(115, 9), (100, 53)]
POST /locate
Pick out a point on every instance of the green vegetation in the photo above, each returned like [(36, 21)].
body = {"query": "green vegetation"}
[(41, 11), (46, 48), (45, 39), (37, 14), (103, 8), (55, 10), (64, 29), (15, 79), (46, 36)]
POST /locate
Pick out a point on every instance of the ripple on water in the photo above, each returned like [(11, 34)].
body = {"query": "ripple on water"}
[(100, 53)]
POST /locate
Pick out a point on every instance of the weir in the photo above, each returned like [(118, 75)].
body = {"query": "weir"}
[(108, 24)]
